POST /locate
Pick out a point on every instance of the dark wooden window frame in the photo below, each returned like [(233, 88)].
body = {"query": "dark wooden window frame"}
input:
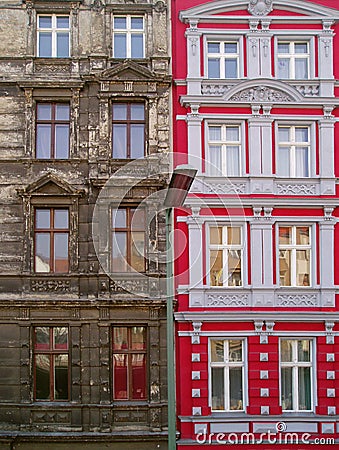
[(129, 351), (51, 352), (52, 231)]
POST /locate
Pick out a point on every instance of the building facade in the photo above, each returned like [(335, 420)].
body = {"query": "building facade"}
[(255, 108), (85, 91)]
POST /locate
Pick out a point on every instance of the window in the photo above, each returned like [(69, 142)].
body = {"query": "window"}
[(128, 240), (227, 375), (295, 255), (296, 374), (223, 59), (53, 36), (226, 256), (293, 60), (293, 159), (128, 37), (51, 369), (51, 240), (224, 146), (128, 130), (129, 363), (52, 130)]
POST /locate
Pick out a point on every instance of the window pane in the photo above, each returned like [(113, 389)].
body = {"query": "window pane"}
[(61, 218), (138, 251), (138, 338), (304, 374), (286, 350), (120, 23), (42, 377), (216, 265), (283, 68), (214, 133), (138, 219), (120, 46), (301, 69), (60, 338), (119, 141), (234, 268), (61, 112), (61, 141), (137, 44), (44, 111), (231, 47), (45, 44), (235, 351), (285, 267), (301, 163), (217, 351), (283, 167), (213, 47), (301, 134), (231, 68), (216, 235), (45, 22), (118, 218), (218, 395), (285, 235), (284, 134), (61, 252), (137, 23), (284, 48), (232, 134), (137, 141), (236, 388), (213, 68), (62, 45), (137, 111), (232, 161), (62, 22), (120, 338), (61, 377), (286, 388), (43, 141), (300, 47), (215, 165), (303, 235), (119, 252), (42, 218), (303, 268), (42, 252), (120, 376), (42, 338), (234, 235), (119, 111), (138, 376), (304, 351)]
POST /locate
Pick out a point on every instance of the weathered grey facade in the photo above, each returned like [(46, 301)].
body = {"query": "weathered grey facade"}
[(65, 53)]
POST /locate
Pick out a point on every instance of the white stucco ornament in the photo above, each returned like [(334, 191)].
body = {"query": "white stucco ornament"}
[(260, 7)]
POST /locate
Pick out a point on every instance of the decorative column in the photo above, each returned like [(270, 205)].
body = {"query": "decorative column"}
[(74, 147), (325, 62), (196, 255), (29, 122), (253, 50), (75, 36), (194, 121), (193, 59), (254, 139), (326, 149), (265, 56), (326, 238)]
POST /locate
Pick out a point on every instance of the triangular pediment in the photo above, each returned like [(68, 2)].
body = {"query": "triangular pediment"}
[(219, 8), (49, 184), (127, 71)]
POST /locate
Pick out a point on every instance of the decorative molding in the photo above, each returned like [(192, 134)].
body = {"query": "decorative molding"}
[(227, 300), (297, 300), (51, 417), (308, 90), (260, 7), (225, 188), (296, 189), (160, 6), (261, 94), (195, 338), (214, 89), (52, 68), (50, 285), (126, 286)]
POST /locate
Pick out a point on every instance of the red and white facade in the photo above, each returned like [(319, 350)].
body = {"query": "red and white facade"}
[(255, 103)]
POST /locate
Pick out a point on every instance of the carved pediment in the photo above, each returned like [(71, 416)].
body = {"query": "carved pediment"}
[(127, 71), (50, 185), (261, 94)]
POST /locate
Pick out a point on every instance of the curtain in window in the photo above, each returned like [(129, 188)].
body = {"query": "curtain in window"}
[(301, 162)]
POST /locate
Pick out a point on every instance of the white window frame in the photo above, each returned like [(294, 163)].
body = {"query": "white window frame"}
[(311, 55), (128, 31), (292, 156), (223, 56), (225, 248), (226, 365), (311, 246), (54, 30), (222, 172), (295, 364)]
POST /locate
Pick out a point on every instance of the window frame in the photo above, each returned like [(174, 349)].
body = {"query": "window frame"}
[(225, 248), (312, 148), (226, 365), (53, 123), (54, 30), (51, 352), (129, 352), (52, 231), (311, 56), (295, 365), (311, 247), (224, 124), (240, 55), (129, 122), (128, 31)]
